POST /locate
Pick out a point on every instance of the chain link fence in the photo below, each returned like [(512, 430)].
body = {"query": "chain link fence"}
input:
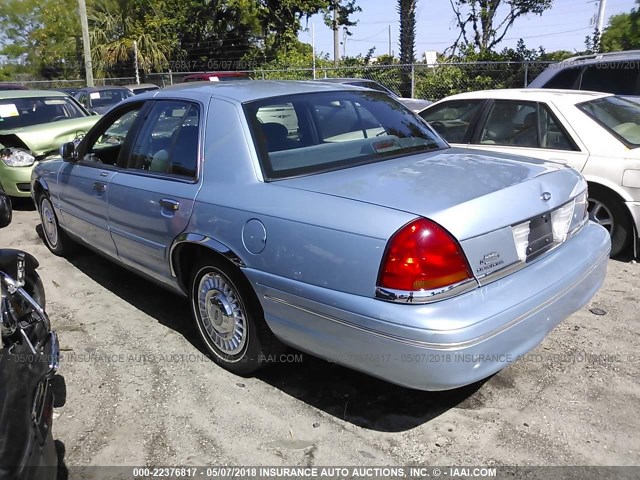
[(419, 80)]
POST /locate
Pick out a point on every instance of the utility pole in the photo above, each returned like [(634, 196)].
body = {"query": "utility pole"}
[(313, 50), (84, 23), (336, 37), (600, 23), (135, 61), (344, 42), (389, 40)]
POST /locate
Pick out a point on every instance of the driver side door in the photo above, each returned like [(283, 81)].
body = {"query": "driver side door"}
[(83, 184)]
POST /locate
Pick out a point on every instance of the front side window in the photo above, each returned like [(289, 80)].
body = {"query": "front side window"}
[(454, 119), (618, 116), (168, 140), (333, 130), (104, 144), (26, 112)]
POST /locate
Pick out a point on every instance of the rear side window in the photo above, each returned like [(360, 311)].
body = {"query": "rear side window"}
[(566, 79), (524, 124), (453, 120), (511, 123), (620, 78)]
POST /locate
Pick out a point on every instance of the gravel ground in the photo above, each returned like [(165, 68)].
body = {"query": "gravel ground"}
[(141, 391)]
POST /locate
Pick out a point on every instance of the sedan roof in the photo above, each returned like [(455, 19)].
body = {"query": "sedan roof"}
[(531, 94), (103, 87), (247, 90), (4, 94)]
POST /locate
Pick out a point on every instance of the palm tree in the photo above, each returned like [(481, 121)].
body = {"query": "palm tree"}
[(407, 10), (114, 27)]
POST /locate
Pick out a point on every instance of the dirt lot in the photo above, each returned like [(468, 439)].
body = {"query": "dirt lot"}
[(159, 400)]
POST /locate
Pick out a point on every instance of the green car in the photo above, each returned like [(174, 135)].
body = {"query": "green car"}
[(33, 125)]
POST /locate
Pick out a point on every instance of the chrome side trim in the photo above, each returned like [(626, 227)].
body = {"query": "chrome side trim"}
[(426, 296), (438, 345)]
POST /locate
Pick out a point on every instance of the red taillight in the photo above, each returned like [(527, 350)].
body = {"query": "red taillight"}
[(422, 256)]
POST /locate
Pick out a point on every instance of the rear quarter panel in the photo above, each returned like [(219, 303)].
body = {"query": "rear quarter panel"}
[(310, 237)]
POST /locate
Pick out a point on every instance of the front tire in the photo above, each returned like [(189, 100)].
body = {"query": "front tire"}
[(229, 318), (57, 241), (35, 288), (609, 212)]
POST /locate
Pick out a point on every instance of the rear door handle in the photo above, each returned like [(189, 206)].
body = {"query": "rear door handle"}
[(100, 187), (170, 204)]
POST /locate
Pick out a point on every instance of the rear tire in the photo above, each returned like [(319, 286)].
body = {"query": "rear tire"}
[(609, 212), (229, 318), (55, 238)]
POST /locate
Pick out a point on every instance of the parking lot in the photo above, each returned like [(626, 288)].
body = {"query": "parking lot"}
[(140, 389)]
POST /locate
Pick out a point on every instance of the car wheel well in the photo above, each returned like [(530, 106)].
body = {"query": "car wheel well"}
[(625, 229), (603, 190), (39, 190), (187, 255)]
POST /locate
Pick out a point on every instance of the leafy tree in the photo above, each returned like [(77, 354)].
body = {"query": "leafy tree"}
[(42, 34), (407, 11), (487, 27), (219, 32), (622, 32), (280, 20), (344, 10)]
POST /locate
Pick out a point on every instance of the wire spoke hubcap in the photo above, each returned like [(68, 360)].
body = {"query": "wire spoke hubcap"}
[(599, 213), (222, 313), (49, 223)]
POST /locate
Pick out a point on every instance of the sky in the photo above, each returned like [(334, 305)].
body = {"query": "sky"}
[(563, 27)]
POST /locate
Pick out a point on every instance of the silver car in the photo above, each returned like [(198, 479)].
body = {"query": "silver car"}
[(353, 232)]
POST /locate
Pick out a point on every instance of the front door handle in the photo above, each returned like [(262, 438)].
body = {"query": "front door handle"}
[(100, 187), (170, 204)]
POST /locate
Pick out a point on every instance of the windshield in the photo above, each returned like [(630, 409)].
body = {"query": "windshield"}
[(106, 98), (619, 116), (316, 132), (25, 112)]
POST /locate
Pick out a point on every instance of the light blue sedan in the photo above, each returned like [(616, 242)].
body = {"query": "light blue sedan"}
[(332, 219)]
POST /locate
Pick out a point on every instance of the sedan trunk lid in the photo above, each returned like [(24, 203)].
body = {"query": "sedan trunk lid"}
[(470, 193)]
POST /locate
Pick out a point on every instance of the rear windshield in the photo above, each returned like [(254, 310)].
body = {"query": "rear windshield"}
[(106, 98), (619, 116), (25, 112), (315, 132)]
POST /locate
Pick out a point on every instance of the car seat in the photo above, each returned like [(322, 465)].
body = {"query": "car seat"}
[(276, 137)]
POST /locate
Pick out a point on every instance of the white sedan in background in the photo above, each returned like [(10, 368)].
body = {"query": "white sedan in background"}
[(598, 134)]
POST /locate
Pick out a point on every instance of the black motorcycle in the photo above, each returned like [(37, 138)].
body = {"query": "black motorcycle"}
[(29, 360)]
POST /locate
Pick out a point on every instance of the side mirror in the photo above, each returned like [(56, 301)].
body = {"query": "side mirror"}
[(68, 151), (5, 210), (93, 112)]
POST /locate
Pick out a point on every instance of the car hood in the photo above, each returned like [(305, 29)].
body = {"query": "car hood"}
[(468, 192), (46, 138)]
